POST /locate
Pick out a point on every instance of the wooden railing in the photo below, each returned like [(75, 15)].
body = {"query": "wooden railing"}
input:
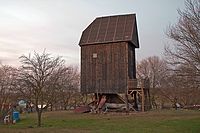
[(132, 83)]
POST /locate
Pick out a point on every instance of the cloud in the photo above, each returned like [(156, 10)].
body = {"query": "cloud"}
[(56, 25)]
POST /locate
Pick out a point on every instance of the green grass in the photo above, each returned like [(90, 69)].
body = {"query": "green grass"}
[(168, 121)]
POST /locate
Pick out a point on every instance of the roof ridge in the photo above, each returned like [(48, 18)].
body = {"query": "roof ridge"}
[(106, 16)]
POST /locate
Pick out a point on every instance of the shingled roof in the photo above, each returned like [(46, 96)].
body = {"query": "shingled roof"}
[(119, 28)]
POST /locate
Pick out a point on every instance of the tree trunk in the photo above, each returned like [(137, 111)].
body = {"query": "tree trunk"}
[(39, 113), (65, 107), (51, 107)]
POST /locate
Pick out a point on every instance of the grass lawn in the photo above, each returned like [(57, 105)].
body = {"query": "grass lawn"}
[(165, 121)]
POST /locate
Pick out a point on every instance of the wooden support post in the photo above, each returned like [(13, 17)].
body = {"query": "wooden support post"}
[(149, 100), (127, 78), (127, 104), (98, 100), (135, 100), (143, 97)]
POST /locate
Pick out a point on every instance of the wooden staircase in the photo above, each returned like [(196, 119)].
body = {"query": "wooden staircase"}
[(139, 91)]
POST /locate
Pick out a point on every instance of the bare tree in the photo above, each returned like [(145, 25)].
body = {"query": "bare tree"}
[(8, 76), (38, 81), (166, 86), (184, 56), (69, 86), (179, 89), (155, 70)]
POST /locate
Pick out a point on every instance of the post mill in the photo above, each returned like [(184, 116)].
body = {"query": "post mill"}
[(108, 65)]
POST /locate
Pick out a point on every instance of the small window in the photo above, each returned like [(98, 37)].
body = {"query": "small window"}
[(94, 55)]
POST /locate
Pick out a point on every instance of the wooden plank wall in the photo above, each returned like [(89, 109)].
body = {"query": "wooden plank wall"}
[(108, 72)]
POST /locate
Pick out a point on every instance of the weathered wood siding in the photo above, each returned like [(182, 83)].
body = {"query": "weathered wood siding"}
[(106, 73)]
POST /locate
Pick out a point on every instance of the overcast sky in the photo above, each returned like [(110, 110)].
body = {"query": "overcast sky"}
[(56, 25)]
